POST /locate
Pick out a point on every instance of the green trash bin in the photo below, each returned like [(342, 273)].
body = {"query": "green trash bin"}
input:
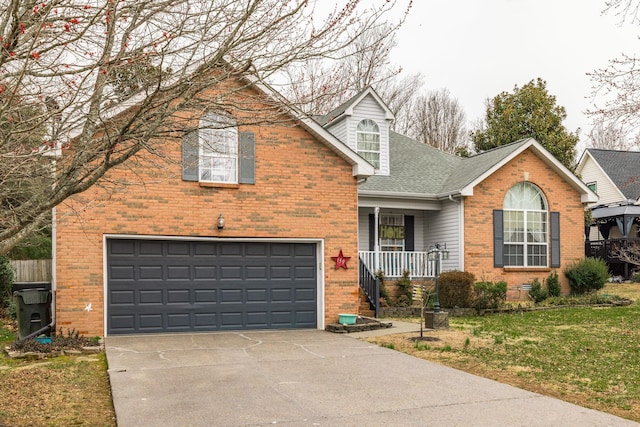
[(33, 308)]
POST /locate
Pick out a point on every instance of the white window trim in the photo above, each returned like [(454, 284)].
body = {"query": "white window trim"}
[(525, 244), (207, 157), (363, 152)]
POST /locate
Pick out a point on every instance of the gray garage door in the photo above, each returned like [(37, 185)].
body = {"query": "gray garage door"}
[(187, 286)]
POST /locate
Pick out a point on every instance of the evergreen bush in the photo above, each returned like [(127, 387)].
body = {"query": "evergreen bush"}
[(6, 281), (455, 289), (489, 294), (553, 285), (587, 275), (537, 292), (405, 296)]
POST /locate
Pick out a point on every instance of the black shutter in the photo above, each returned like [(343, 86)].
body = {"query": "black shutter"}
[(555, 239), (190, 151), (372, 232), (247, 159), (498, 239), (409, 238)]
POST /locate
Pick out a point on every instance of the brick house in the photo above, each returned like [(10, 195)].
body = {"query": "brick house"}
[(250, 235)]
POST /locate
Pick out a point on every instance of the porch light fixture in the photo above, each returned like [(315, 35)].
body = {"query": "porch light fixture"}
[(437, 253), (220, 222)]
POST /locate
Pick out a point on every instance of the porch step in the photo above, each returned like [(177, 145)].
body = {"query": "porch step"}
[(365, 307)]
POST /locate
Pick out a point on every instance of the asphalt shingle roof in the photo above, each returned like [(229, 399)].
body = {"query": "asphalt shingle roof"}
[(417, 168), (414, 168), (623, 167)]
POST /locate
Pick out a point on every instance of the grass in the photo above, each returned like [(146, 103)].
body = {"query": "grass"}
[(57, 391), (585, 355)]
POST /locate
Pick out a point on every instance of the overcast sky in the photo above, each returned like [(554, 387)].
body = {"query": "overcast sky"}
[(479, 48)]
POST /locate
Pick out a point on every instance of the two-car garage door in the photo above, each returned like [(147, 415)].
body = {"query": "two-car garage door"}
[(186, 286)]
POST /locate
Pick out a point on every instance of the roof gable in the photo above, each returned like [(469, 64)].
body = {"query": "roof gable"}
[(621, 167), (347, 108)]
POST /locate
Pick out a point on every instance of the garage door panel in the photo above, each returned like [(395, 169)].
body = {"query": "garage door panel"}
[(124, 297), (204, 272), (147, 272), (150, 248), (178, 296), (178, 272), (202, 296), (229, 272), (150, 297), (155, 286), (122, 272), (205, 320), (256, 295)]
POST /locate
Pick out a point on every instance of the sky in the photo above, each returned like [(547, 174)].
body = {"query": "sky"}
[(479, 48)]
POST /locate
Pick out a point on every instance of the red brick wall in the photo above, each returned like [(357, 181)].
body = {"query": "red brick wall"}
[(489, 195), (302, 190)]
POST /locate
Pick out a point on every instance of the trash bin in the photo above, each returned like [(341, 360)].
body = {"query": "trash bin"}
[(33, 308)]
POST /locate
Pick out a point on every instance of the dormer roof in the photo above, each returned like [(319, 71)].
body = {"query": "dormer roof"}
[(346, 108)]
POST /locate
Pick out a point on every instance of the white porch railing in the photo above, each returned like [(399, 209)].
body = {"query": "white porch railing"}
[(393, 264)]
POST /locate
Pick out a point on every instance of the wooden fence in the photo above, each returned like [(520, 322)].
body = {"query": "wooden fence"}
[(32, 270)]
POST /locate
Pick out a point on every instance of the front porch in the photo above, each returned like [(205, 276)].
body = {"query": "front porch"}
[(394, 263)]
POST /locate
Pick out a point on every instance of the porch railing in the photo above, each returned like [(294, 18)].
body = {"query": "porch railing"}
[(606, 250), (393, 264), (370, 285)]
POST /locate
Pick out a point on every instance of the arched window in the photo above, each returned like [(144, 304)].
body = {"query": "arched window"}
[(368, 137), (525, 225), (218, 141)]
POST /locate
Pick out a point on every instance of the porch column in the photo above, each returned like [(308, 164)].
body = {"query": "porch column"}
[(376, 241)]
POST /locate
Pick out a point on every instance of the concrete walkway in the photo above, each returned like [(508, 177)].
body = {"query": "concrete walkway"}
[(311, 378)]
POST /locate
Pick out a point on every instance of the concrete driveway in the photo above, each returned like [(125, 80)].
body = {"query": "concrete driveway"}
[(311, 378)]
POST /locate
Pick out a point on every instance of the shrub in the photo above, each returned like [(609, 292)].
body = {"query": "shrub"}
[(635, 277), (553, 284), (455, 288), (489, 294), (537, 292), (384, 292), (405, 296), (587, 275), (6, 280)]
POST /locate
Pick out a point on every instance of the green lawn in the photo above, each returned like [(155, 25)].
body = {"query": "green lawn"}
[(586, 355)]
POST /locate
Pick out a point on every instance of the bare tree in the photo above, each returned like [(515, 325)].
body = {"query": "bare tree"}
[(629, 253), (324, 84), (609, 136), (616, 87), (439, 121), (98, 81), (400, 94)]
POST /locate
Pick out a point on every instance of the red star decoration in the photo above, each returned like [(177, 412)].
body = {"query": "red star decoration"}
[(341, 260)]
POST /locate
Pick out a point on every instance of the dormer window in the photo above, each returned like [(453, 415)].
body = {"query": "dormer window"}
[(368, 137)]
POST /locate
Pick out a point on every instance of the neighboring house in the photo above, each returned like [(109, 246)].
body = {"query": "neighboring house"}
[(615, 176), (257, 235)]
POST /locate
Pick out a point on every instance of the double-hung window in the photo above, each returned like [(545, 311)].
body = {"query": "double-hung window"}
[(525, 225), (368, 137), (218, 149), (392, 232)]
